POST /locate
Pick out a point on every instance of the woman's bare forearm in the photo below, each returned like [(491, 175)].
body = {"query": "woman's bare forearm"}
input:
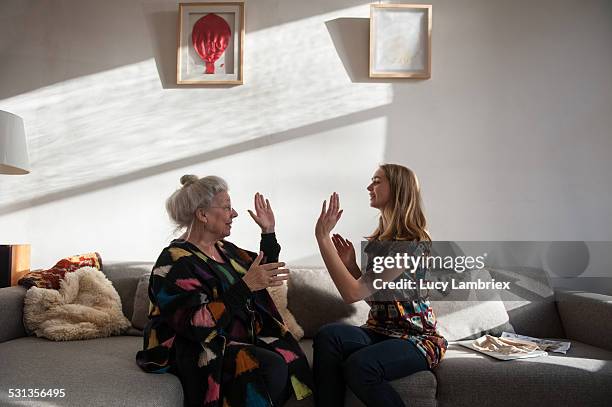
[(345, 281)]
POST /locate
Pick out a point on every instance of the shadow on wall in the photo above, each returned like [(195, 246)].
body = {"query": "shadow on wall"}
[(163, 32), (265, 141), (37, 38), (61, 122), (351, 37)]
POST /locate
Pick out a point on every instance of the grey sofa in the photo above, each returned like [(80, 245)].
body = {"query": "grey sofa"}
[(102, 372)]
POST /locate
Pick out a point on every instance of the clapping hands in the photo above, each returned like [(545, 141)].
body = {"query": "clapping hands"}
[(263, 216), (260, 276), (345, 250), (329, 216)]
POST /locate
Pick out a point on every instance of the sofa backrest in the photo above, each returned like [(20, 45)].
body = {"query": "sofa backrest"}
[(314, 301), (530, 302), (11, 313)]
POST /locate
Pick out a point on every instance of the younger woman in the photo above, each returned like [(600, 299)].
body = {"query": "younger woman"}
[(400, 336)]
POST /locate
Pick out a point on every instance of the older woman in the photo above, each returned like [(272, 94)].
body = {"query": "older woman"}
[(212, 323)]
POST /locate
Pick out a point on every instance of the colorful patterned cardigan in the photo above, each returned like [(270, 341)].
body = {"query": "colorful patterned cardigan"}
[(197, 324)]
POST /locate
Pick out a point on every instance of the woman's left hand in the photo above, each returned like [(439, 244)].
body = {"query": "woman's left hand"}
[(263, 216), (329, 217)]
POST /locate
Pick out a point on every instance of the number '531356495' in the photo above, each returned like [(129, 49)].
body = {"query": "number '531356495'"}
[(36, 393)]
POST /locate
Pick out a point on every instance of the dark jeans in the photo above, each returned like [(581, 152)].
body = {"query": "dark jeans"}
[(363, 360)]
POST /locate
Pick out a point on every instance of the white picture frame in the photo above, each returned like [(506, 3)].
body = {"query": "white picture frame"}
[(400, 41)]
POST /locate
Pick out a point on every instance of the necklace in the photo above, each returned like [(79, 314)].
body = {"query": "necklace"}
[(209, 251), (214, 254)]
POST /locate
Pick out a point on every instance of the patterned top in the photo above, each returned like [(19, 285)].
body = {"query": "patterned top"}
[(205, 324), (405, 313)]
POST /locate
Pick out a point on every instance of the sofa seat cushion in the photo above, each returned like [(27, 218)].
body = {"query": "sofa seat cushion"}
[(582, 377), (418, 389), (96, 372)]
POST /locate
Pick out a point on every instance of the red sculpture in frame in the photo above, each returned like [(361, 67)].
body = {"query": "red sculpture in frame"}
[(210, 36)]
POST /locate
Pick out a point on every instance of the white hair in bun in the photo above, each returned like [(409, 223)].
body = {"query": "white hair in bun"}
[(195, 193)]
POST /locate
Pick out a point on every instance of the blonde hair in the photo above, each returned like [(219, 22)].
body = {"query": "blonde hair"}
[(195, 193), (403, 217)]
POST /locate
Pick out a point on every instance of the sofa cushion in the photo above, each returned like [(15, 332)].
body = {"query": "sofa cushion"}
[(279, 296), (459, 320), (582, 377), (467, 314), (124, 276), (314, 301), (140, 315), (96, 372)]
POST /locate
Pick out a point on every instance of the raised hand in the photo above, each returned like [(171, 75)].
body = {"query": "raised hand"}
[(260, 276), (345, 250), (329, 216), (263, 216)]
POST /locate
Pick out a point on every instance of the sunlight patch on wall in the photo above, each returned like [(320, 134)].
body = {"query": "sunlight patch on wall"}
[(129, 222), (107, 124)]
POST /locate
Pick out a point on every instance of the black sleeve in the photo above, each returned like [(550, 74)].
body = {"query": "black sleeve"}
[(270, 247)]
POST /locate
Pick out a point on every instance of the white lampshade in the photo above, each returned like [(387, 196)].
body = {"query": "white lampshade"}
[(13, 149)]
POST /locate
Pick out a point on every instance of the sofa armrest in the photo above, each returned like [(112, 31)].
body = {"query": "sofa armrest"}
[(11, 313), (586, 317)]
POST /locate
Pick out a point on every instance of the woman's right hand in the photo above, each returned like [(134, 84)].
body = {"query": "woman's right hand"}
[(328, 217), (345, 250), (260, 276)]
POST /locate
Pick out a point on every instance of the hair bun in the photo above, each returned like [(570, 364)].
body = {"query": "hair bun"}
[(189, 179)]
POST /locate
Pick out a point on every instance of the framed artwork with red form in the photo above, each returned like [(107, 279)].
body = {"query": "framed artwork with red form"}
[(210, 44)]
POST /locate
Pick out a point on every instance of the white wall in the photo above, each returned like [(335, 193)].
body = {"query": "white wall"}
[(511, 137)]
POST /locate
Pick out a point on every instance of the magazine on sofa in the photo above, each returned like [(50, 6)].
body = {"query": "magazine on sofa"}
[(510, 346), (503, 348), (549, 345)]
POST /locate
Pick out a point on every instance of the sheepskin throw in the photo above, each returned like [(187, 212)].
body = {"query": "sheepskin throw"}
[(86, 306)]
